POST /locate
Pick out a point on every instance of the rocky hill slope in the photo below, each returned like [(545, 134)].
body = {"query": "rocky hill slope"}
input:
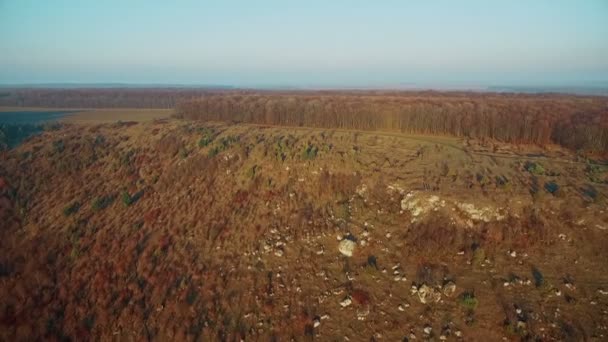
[(178, 230)]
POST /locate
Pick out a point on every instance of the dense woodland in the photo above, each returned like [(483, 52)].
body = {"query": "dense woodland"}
[(576, 122), (579, 123)]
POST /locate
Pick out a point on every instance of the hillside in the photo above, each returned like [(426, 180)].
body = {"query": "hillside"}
[(190, 230)]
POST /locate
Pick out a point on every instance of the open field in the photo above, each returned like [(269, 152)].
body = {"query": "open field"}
[(99, 115), (188, 230)]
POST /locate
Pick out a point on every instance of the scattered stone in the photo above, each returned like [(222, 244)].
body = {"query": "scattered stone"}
[(458, 333), (428, 329), (449, 288), (401, 307), (316, 321), (346, 302), (362, 314), (427, 294), (278, 252), (347, 247)]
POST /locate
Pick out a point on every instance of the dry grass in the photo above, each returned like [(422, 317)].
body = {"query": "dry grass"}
[(241, 243)]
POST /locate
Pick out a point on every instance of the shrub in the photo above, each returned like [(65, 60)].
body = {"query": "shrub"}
[(468, 301), (101, 203), (223, 144), (551, 187), (71, 209), (534, 168), (127, 199), (310, 152), (539, 279), (207, 138)]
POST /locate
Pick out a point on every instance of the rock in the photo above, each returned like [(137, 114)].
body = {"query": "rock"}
[(278, 252), (428, 329), (347, 247), (316, 321), (401, 307), (427, 294), (346, 302), (362, 314), (449, 288)]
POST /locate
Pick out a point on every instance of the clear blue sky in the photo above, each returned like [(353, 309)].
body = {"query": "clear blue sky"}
[(305, 43)]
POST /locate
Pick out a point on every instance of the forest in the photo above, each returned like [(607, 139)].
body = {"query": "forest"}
[(576, 122)]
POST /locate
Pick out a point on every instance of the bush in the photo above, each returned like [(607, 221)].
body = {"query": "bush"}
[(223, 144), (551, 187), (534, 168), (127, 199), (101, 203), (71, 209), (468, 301), (207, 138), (310, 152), (539, 279)]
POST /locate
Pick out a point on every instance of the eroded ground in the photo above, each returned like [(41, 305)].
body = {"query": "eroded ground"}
[(177, 230)]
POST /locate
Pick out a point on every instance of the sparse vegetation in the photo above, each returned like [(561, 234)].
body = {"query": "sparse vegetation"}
[(534, 168), (100, 203), (468, 301), (71, 208), (232, 246)]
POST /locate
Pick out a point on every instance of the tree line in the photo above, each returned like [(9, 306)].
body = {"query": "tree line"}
[(578, 123)]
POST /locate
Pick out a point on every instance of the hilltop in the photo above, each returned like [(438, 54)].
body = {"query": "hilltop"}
[(188, 230)]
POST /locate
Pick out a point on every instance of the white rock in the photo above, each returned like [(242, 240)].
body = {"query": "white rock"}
[(449, 289), (347, 247), (346, 302), (428, 294), (428, 330)]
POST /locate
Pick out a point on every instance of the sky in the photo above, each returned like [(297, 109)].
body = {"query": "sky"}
[(313, 43)]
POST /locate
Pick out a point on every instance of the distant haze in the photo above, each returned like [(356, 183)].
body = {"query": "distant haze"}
[(384, 44)]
